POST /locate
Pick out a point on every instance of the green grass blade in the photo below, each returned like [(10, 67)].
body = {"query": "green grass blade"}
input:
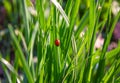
[(58, 6), (109, 74), (40, 11), (15, 65), (91, 39), (26, 21), (11, 68), (7, 74), (101, 66), (31, 43), (69, 32), (117, 80), (68, 7), (112, 53), (91, 20), (21, 55), (82, 24), (74, 12)]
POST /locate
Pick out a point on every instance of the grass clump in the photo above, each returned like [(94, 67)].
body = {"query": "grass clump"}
[(75, 60)]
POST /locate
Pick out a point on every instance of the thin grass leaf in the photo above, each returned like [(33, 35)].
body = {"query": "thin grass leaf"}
[(82, 24), (21, 55), (92, 15), (112, 53), (68, 7), (69, 32), (101, 66), (117, 80), (7, 74), (17, 32), (74, 12), (112, 70), (82, 72), (109, 74), (117, 69), (67, 75), (31, 43), (8, 65), (40, 13), (91, 40), (16, 66), (58, 6), (74, 45), (26, 21), (11, 68)]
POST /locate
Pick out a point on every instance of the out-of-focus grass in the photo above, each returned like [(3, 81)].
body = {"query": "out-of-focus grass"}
[(75, 60)]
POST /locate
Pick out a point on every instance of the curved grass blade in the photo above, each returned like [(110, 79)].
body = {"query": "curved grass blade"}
[(58, 6), (10, 67)]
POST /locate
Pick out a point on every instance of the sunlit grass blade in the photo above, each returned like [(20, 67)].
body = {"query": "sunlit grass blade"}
[(58, 6)]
